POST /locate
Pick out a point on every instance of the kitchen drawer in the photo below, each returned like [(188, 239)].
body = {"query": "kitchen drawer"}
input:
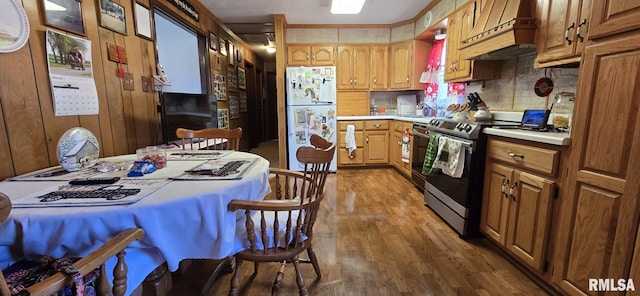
[(343, 157), (376, 124), (342, 125), (530, 157), (359, 135), (401, 126)]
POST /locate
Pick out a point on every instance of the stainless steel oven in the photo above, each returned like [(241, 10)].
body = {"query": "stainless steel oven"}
[(456, 200)]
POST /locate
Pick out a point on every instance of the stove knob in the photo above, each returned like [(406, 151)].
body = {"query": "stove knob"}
[(468, 129)]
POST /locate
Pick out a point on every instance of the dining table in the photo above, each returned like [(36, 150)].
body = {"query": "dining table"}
[(184, 215)]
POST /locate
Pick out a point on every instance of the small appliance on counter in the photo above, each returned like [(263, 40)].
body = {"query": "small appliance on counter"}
[(406, 104)]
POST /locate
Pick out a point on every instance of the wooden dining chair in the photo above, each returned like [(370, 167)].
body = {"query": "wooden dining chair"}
[(279, 230), (210, 138), (47, 275), (319, 142)]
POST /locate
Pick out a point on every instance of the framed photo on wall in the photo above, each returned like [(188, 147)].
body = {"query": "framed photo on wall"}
[(232, 51), (238, 55), (223, 47), (142, 20), (112, 16), (213, 41), (64, 15), (223, 118)]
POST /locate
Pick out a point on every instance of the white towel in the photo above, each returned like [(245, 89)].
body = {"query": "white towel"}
[(450, 157), (406, 152), (350, 138)]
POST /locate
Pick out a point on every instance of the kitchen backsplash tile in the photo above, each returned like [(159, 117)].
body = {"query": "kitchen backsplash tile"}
[(515, 90)]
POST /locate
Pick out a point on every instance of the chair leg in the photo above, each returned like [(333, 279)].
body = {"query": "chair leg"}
[(314, 261), (299, 279), (235, 280), (255, 268), (277, 283)]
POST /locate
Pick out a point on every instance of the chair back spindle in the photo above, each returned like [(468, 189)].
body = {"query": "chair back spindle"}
[(210, 138)]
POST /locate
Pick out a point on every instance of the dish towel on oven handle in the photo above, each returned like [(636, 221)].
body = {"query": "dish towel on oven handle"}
[(450, 157), (350, 139), (430, 154)]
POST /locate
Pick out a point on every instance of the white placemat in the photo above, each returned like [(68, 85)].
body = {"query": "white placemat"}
[(120, 193)]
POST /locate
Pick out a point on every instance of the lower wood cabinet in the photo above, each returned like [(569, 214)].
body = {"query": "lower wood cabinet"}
[(357, 156), (395, 147), (372, 141), (376, 142), (518, 200)]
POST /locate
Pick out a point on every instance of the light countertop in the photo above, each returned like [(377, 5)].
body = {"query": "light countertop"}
[(553, 138), (409, 118)]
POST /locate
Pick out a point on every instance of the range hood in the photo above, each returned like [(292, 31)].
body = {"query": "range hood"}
[(505, 29)]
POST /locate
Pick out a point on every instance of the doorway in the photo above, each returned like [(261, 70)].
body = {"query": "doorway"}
[(254, 118)]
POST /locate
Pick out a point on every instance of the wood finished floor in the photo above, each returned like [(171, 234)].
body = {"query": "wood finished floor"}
[(374, 236)]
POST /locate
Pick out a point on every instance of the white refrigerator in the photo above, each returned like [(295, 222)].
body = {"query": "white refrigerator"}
[(311, 109)]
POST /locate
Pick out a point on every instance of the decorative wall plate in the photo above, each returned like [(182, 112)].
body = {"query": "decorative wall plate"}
[(427, 19), (14, 26), (77, 149)]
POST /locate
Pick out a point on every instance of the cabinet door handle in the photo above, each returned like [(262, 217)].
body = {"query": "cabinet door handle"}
[(504, 188), (355, 81), (377, 125), (579, 30), (367, 140), (513, 197), (566, 33), (407, 79), (521, 156), (307, 57), (313, 56), (375, 81), (351, 81)]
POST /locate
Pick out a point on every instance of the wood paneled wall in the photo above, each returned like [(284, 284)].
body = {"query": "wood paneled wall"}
[(127, 120)]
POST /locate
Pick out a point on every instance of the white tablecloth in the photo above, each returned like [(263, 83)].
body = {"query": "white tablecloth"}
[(183, 219)]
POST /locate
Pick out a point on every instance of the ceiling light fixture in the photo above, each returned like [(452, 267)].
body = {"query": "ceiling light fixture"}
[(346, 6), (270, 47)]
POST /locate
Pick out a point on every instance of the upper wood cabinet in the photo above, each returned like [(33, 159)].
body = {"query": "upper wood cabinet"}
[(564, 29), (408, 58), (353, 103), (310, 55), (459, 26), (600, 210), (379, 75), (609, 17), (352, 71)]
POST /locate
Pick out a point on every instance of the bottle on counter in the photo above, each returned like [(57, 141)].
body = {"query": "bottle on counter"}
[(374, 110)]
